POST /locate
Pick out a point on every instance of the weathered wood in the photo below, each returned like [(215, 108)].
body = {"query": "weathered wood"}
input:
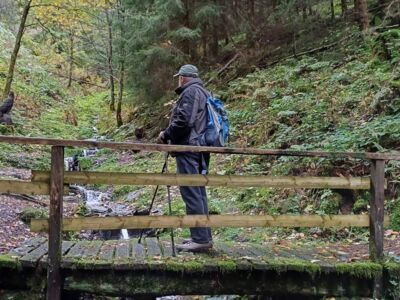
[(281, 281), (179, 148), (32, 258), (78, 249), (138, 251), (66, 246), (107, 251), (138, 222), (377, 209), (55, 220), (152, 247), (92, 249), (166, 248), (122, 250), (122, 255), (24, 187), (208, 180), (28, 246)]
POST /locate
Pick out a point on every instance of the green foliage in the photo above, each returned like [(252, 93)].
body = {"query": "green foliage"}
[(361, 205), (85, 163), (395, 214), (184, 34), (329, 203), (29, 213)]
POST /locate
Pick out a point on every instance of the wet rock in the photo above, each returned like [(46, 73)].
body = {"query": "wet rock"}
[(134, 195)]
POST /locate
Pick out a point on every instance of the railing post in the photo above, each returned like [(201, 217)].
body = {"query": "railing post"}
[(54, 283), (377, 209)]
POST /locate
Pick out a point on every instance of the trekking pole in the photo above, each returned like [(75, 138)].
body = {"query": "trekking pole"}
[(169, 205), (154, 197)]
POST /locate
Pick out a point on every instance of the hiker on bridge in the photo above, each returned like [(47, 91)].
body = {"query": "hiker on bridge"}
[(188, 120), (5, 109)]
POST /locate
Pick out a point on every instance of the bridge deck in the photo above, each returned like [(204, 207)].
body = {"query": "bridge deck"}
[(129, 254), (126, 268)]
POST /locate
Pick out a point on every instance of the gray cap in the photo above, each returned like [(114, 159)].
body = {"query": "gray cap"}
[(188, 71)]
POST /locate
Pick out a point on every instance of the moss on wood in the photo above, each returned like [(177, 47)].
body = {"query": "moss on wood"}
[(9, 261), (360, 269)]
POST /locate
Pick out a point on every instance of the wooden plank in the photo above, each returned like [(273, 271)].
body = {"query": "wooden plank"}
[(77, 250), (92, 249), (122, 250), (107, 251), (66, 246), (28, 246), (54, 281), (137, 222), (122, 256), (152, 247), (138, 251), (377, 209), (24, 187), (181, 148), (32, 258), (225, 249), (354, 183), (166, 248)]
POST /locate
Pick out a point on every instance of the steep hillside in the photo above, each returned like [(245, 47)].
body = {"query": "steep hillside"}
[(44, 106), (345, 99)]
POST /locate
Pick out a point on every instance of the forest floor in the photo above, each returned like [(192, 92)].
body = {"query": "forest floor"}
[(14, 231)]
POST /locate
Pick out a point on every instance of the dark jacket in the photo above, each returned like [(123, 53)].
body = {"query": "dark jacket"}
[(189, 116), (7, 105)]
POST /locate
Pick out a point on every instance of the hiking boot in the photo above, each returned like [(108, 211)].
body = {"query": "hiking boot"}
[(194, 247)]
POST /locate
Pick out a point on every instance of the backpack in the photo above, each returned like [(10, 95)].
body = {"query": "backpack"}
[(216, 133)]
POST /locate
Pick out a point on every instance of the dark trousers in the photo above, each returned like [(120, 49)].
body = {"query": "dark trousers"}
[(195, 197)]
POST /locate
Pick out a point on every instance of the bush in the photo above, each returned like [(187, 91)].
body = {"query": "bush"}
[(29, 213)]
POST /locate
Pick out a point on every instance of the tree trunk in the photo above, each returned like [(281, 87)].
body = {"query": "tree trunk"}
[(361, 14), (13, 60), (343, 5), (120, 94), (121, 14), (215, 37), (109, 62), (71, 58), (186, 45), (332, 10)]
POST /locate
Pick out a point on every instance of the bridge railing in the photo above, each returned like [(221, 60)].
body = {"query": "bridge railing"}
[(53, 182)]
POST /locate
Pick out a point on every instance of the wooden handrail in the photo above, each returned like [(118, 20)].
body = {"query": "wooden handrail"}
[(179, 148), (140, 222), (355, 183)]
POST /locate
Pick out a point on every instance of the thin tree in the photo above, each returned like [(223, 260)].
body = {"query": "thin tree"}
[(361, 13), (70, 58), (17, 45), (121, 16), (343, 6), (110, 60)]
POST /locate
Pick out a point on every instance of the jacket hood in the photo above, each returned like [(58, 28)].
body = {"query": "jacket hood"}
[(197, 81)]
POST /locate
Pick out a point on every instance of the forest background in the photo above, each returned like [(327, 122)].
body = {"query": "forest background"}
[(300, 75)]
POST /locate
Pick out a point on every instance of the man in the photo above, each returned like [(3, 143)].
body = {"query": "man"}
[(188, 121), (5, 109)]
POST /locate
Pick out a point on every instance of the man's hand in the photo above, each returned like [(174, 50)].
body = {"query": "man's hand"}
[(161, 138)]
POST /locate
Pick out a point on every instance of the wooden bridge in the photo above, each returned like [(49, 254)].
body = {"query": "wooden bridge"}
[(148, 269)]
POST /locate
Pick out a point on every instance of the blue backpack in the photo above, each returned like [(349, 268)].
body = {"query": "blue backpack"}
[(216, 133)]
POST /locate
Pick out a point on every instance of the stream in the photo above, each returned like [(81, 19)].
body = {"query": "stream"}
[(99, 203)]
